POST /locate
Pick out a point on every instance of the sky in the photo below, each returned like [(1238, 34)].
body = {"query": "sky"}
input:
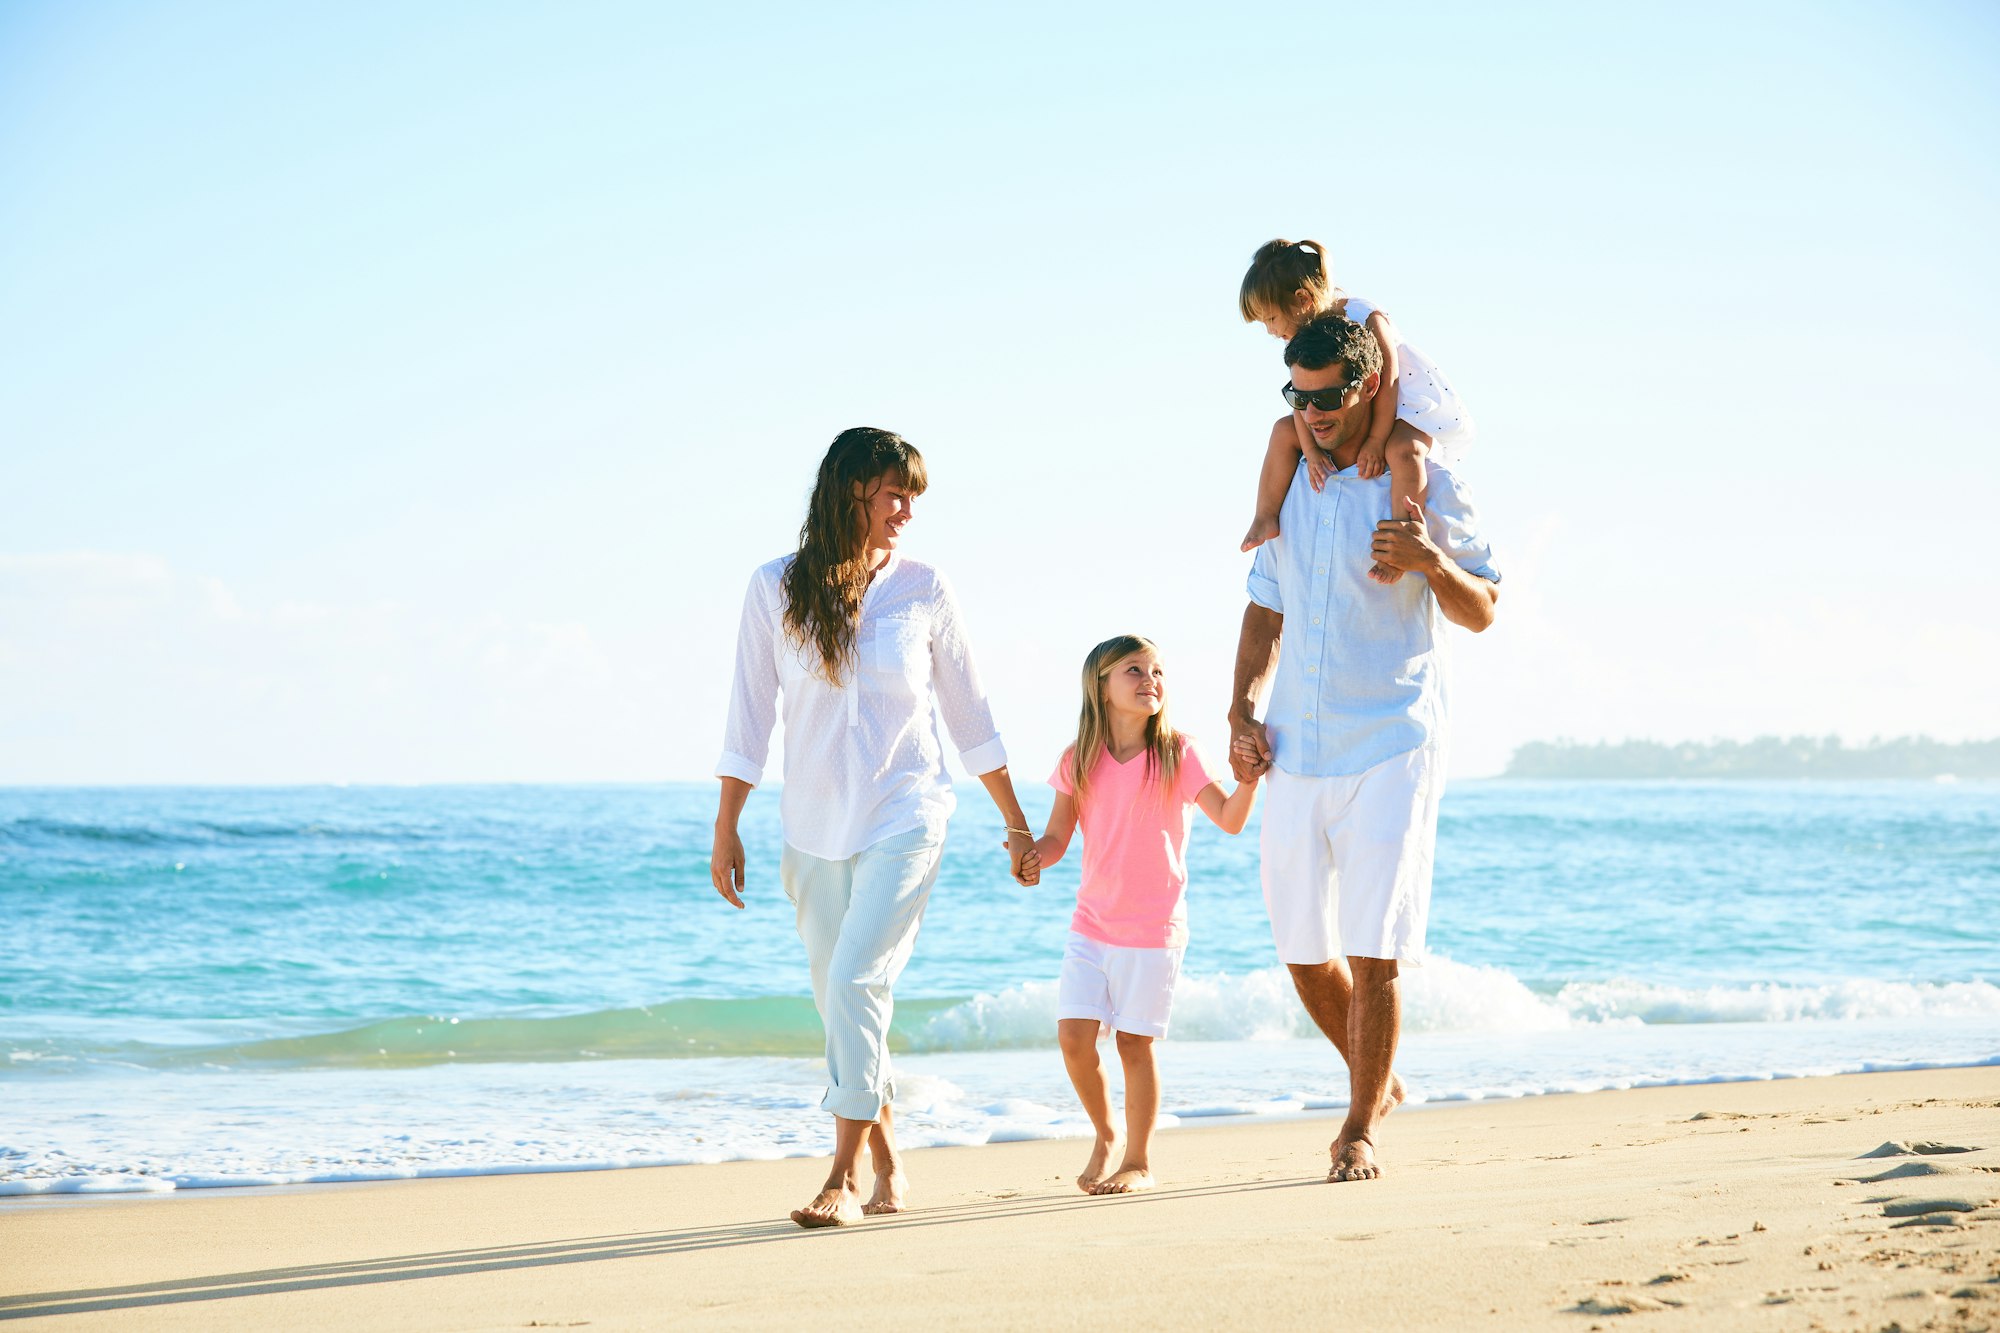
[(404, 393)]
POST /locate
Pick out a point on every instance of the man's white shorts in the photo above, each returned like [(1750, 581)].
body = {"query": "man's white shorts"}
[(1347, 860), (1126, 989)]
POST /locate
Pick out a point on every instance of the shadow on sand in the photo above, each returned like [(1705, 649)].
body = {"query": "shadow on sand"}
[(585, 1250)]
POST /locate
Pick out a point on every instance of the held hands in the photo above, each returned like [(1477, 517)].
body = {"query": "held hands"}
[(1249, 750), (1404, 543), (725, 865), (1024, 862)]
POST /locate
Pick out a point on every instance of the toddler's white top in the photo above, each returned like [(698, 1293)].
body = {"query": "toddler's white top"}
[(1424, 397), (863, 760)]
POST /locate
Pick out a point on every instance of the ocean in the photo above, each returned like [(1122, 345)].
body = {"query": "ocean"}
[(216, 987)]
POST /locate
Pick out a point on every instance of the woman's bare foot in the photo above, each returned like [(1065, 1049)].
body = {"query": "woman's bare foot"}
[(1100, 1162), (1125, 1180), (1353, 1159), (888, 1196), (1262, 529), (834, 1206)]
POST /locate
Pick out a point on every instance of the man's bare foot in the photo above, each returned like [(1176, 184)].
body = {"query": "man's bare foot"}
[(1100, 1162), (888, 1196), (831, 1207), (1125, 1180), (1383, 574), (1262, 529), (1393, 1097), (1353, 1159)]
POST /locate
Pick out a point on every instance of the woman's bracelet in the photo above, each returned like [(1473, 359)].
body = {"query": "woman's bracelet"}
[(1026, 833)]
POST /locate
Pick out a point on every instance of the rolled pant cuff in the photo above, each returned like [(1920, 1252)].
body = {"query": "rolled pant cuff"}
[(857, 1103)]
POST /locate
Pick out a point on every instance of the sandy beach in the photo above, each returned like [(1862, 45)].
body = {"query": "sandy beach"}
[(1734, 1206)]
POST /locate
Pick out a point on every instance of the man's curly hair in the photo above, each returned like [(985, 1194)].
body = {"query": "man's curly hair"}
[(1329, 338)]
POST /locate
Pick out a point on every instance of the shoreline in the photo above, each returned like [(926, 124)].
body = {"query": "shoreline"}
[(917, 1135), (1719, 1203)]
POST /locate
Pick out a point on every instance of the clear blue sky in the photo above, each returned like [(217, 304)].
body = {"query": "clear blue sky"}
[(403, 393)]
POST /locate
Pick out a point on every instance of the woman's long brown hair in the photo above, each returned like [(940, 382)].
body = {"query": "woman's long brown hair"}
[(824, 583)]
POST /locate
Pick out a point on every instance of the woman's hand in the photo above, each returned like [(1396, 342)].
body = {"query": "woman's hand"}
[(725, 864), (1023, 862)]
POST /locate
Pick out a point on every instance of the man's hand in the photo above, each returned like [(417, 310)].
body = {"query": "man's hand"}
[(1249, 749), (725, 865), (1405, 543)]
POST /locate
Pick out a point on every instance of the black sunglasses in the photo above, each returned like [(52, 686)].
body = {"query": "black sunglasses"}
[(1326, 400)]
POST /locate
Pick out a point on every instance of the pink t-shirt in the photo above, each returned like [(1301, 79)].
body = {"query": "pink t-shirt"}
[(1134, 890)]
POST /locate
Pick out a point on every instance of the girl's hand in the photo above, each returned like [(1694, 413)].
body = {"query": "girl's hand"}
[(1250, 754), (1373, 461), (725, 865), (1319, 466)]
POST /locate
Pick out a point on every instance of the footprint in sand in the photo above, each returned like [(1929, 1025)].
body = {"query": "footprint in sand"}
[(1936, 1211), (1919, 1148), (1907, 1170), (1917, 1207), (1622, 1303)]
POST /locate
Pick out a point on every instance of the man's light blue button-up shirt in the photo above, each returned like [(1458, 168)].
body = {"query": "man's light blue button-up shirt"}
[(1361, 667)]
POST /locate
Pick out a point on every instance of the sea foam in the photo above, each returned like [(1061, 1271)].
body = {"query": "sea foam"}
[(1447, 996)]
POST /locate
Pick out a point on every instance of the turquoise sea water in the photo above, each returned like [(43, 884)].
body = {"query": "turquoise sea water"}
[(218, 986)]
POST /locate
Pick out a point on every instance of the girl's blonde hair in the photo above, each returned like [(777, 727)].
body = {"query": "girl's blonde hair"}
[(1278, 272), (1093, 728), (823, 586)]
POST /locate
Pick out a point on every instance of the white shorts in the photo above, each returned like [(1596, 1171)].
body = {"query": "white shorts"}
[(1127, 989), (1347, 860)]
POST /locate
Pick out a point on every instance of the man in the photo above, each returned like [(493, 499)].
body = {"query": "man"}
[(1355, 732)]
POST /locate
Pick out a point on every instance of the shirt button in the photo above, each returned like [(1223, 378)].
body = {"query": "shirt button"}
[(1315, 620), (1309, 717), (1322, 569), (1312, 671)]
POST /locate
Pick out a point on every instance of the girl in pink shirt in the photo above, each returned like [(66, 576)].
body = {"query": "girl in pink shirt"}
[(1133, 783)]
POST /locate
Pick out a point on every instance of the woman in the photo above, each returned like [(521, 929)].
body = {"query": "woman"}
[(863, 646)]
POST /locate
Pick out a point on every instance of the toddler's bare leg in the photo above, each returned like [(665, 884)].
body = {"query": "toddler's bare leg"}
[(1406, 451), (1078, 1038), (1281, 462), (1142, 1109)]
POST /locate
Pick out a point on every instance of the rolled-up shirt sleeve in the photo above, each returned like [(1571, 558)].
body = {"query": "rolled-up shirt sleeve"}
[(961, 698), (1454, 526), (1263, 581), (753, 696)]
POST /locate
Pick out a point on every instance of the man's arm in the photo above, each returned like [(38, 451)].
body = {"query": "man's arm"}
[(1466, 599), (1256, 654)]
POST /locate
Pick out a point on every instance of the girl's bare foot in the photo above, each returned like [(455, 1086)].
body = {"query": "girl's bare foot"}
[(1100, 1162), (1125, 1180), (1262, 529), (888, 1196), (833, 1206)]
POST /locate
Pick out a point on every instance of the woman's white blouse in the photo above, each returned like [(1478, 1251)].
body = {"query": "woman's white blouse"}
[(863, 761)]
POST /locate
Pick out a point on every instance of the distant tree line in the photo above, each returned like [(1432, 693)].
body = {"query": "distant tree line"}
[(1765, 757)]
